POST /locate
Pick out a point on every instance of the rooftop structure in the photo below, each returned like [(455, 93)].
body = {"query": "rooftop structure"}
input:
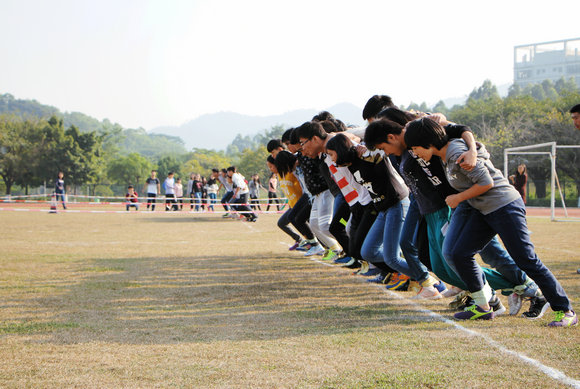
[(536, 62)]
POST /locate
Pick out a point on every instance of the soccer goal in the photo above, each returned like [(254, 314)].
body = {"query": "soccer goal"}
[(549, 150)]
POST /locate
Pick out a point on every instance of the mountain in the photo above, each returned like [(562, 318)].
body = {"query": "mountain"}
[(215, 131)]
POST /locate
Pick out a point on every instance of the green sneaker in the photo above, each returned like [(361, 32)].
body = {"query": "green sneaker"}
[(562, 319), (330, 256)]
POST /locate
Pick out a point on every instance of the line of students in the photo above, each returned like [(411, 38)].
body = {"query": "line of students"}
[(410, 196)]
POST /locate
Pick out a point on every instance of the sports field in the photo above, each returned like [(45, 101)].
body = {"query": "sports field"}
[(145, 300)]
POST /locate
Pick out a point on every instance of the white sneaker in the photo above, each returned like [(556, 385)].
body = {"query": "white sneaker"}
[(428, 293), (314, 250), (452, 291), (515, 303)]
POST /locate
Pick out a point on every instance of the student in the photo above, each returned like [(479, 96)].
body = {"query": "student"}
[(427, 181), (197, 191), (254, 185), (152, 188), (375, 105), (222, 176), (240, 194), (59, 189), (519, 180), (500, 211), (312, 138), (169, 187), (131, 198), (211, 187), (575, 115), (388, 192), (272, 191)]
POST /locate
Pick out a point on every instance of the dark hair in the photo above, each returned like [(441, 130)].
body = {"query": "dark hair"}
[(231, 169), (170, 173), (344, 149), (575, 109), (215, 170), (294, 137), (286, 135), (285, 162), (525, 169), (396, 115), (309, 129), (224, 170), (130, 187), (375, 105), (322, 116), (271, 160), (425, 132), (328, 126), (378, 130), (274, 144)]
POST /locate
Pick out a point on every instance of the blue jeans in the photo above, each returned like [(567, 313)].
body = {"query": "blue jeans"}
[(382, 241), (509, 222), (407, 242), (197, 196), (212, 200), (492, 254)]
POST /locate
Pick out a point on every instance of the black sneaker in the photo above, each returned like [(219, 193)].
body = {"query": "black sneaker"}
[(466, 304), (354, 265), (538, 307)]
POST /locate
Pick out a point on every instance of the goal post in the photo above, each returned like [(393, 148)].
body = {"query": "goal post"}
[(552, 147)]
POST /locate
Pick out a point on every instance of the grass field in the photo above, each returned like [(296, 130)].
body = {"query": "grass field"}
[(194, 301)]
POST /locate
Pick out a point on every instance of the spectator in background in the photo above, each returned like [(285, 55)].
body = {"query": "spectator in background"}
[(211, 187), (169, 187), (254, 185), (152, 188), (132, 198), (520, 179), (179, 193), (272, 192), (59, 189), (203, 194), (575, 113)]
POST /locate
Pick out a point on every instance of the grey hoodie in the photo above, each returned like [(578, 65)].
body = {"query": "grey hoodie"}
[(484, 173)]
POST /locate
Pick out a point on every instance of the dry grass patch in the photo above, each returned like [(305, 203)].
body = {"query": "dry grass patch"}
[(157, 300)]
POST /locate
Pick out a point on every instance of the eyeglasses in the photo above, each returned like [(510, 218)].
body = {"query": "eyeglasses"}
[(303, 143)]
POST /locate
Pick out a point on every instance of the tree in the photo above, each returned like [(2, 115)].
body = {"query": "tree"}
[(202, 161), (130, 169), (254, 161), (15, 150), (485, 92)]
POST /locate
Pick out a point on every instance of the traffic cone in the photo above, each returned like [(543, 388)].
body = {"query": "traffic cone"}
[(53, 203)]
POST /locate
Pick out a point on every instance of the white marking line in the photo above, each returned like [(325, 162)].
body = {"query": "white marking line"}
[(551, 372)]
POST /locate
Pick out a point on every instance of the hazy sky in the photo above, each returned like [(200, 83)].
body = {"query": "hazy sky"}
[(164, 62)]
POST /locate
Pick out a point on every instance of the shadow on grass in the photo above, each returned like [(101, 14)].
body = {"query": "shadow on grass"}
[(216, 298)]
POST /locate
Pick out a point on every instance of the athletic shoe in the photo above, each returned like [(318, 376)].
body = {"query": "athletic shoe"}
[(398, 282), (224, 215), (364, 267), (515, 303), (343, 260), (468, 303), (371, 272), (379, 279), (294, 246), (414, 287), (314, 250), (330, 256), (440, 286), (305, 245), (355, 264), (538, 307), (453, 291), (428, 293), (496, 305), (459, 300), (562, 319), (474, 313)]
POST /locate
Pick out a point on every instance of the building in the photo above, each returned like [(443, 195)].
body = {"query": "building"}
[(536, 62)]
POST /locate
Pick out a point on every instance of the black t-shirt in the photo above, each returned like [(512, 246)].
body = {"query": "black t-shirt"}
[(375, 177), (315, 183)]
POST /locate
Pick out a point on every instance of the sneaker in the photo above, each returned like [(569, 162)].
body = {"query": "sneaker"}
[(474, 313), (364, 267), (314, 250), (414, 287), (294, 246), (440, 286), (371, 272), (428, 293), (225, 214), (468, 303), (515, 303), (354, 264), (379, 279), (562, 319), (305, 245), (459, 300), (343, 260), (398, 282), (330, 255), (496, 305), (453, 291), (538, 307)]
